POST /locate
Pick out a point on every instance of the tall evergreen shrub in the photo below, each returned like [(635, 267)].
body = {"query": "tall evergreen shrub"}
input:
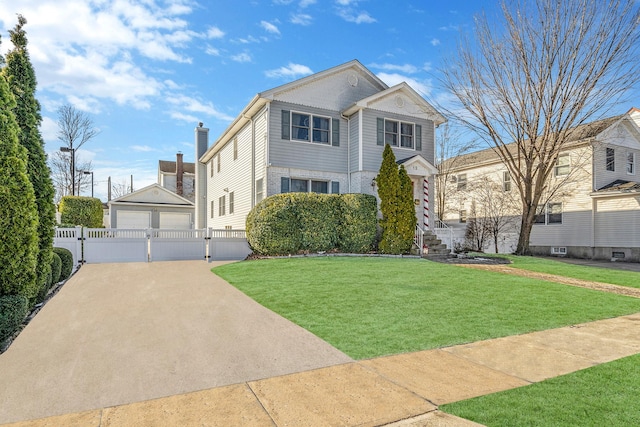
[(18, 213), (78, 210), (22, 82)]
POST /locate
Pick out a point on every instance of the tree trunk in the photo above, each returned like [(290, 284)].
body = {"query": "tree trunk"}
[(525, 233), (495, 241)]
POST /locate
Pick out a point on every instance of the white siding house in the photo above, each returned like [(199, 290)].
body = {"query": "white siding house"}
[(323, 133), (593, 206)]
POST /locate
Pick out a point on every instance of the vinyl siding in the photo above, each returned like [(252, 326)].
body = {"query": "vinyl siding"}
[(305, 155), (236, 176), (618, 222), (372, 153), (622, 142)]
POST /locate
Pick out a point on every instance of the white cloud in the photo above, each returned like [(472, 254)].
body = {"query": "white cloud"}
[(142, 148), (435, 42), (241, 57), (290, 71), (269, 27), (184, 117), (306, 3), (210, 50), (214, 33), (49, 129), (192, 105), (301, 19), (356, 17), (423, 87), (405, 68)]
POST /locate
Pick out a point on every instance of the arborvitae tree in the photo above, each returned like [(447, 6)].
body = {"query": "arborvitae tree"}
[(22, 82), (18, 214), (388, 188), (406, 211)]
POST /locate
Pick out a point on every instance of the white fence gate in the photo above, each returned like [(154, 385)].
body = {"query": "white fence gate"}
[(101, 245)]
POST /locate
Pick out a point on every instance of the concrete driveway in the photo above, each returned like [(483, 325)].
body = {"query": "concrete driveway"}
[(122, 333)]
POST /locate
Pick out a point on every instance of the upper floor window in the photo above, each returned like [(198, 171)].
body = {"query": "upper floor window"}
[(506, 181), (221, 206), (462, 215), (462, 181), (218, 163), (610, 161), (563, 165), (235, 148), (231, 207), (631, 163), (399, 134), (310, 128)]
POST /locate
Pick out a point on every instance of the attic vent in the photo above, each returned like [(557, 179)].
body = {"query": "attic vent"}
[(399, 101), (353, 80)]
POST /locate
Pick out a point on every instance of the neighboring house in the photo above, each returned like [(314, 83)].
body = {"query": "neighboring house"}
[(324, 133), (178, 176), (592, 208), (151, 207)]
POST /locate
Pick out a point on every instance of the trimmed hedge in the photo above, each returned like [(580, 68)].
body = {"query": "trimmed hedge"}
[(56, 268), (294, 223), (85, 211), (66, 257), (13, 310)]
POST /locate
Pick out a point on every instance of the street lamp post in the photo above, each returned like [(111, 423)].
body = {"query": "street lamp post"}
[(73, 167), (88, 173)]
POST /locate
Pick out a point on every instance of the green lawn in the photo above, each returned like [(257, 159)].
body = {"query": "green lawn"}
[(605, 395), (595, 274), (369, 307)]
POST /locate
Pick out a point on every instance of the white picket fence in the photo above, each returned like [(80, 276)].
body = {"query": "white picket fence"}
[(102, 245)]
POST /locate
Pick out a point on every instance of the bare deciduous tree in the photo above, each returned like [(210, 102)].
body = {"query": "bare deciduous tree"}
[(119, 189), (62, 179), (498, 208), (451, 144), (551, 67), (75, 129)]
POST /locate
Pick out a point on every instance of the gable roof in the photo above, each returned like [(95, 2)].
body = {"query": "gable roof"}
[(153, 194), (167, 166), (426, 108), (261, 99), (580, 134), (417, 165), (618, 187)]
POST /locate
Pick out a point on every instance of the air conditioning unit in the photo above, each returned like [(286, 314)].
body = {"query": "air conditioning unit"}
[(559, 250)]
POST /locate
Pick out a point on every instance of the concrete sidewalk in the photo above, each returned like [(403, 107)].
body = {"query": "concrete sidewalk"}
[(401, 390), (122, 333)]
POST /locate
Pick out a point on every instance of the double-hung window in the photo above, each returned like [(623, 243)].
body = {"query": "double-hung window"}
[(221, 205), (396, 132), (506, 181), (259, 190), (551, 213), (563, 165), (231, 207), (462, 181), (305, 127), (631, 163), (610, 159)]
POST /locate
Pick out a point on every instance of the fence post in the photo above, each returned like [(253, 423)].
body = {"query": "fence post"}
[(79, 244)]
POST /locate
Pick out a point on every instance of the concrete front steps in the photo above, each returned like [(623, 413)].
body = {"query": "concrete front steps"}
[(435, 248)]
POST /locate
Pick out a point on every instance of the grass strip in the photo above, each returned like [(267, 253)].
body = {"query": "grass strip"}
[(370, 307), (605, 395), (583, 272)]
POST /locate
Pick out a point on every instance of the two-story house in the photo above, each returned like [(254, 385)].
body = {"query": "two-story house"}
[(178, 176), (592, 205), (323, 133)]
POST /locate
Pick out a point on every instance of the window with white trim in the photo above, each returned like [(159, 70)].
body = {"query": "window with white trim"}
[(221, 205), (463, 215), (551, 213), (563, 165), (631, 163), (218, 163), (259, 190), (235, 148), (298, 185), (211, 208), (231, 203), (462, 181), (310, 128), (397, 132), (610, 159), (506, 181)]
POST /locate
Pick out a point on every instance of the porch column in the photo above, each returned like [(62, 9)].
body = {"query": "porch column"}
[(425, 215)]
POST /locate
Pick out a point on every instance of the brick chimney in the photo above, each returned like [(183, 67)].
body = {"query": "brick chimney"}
[(179, 174)]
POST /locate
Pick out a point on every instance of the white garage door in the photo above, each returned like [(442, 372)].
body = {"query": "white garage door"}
[(181, 221), (132, 219)]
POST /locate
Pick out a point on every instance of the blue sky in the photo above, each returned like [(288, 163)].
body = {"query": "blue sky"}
[(147, 71)]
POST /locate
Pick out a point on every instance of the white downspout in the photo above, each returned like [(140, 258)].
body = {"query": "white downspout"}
[(348, 152)]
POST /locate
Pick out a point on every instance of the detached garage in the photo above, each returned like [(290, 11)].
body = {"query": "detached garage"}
[(151, 207)]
